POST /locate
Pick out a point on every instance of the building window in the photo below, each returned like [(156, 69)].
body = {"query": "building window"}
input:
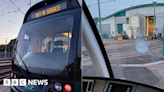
[(127, 20)]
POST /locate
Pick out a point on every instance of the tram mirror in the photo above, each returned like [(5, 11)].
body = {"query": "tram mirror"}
[(46, 40), (26, 37)]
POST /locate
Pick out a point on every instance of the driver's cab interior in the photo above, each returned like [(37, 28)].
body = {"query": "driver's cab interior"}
[(114, 85), (60, 43)]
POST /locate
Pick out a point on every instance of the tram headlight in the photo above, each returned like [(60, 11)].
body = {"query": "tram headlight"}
[(58, 86)]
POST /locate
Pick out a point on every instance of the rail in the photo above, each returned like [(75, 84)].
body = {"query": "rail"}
[(5, 68)]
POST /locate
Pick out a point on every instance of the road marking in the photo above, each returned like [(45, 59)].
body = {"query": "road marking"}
[(123, 55), (127, 65), (140, 65), (123, 44)]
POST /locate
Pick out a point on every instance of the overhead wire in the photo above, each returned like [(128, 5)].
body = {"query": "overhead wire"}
[(9, 20), (17, 7), (123, 3), (89, 2), (89, 6), (4, 36), (93, 12), (102, 12), (105, 9), (9, 12), (6, 19), (7, 38), (4, 8), (111, 1), (28, 4), (9, 4), (13, 6), (101, 3)]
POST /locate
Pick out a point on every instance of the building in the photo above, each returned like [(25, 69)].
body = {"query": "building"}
[(120, 21)]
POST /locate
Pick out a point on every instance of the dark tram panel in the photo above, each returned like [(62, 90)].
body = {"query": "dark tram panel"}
[(114, 85)]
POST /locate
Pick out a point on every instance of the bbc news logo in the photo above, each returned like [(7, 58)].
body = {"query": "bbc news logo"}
[(24, 82)]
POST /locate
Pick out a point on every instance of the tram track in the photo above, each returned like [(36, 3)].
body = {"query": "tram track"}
[(5, 68)]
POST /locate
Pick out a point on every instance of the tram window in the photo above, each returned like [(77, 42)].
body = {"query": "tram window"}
[(46, 44), (61, 42), (25, 44), (45, 36)]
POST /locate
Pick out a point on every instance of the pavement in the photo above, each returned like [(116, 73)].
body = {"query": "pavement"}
[(128, 64)]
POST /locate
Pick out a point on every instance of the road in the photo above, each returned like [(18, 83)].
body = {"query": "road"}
[(127, 63)]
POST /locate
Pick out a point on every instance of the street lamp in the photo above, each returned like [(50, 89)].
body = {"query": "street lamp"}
[(163, 38), (100, 20), (6, 49), (154, 3)]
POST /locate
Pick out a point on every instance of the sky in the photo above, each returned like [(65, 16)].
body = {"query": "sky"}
[(11, 18), (12, 13)]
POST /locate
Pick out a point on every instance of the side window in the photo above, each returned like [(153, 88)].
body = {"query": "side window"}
[(25, 43), (15, 46)]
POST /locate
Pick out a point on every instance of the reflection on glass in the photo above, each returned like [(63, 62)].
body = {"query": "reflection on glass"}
[(133, 44)]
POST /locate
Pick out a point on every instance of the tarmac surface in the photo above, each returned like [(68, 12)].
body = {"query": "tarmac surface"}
[(128, 64)]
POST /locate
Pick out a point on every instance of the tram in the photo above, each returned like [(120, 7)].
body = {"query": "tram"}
[(105, 81), (49, 47)]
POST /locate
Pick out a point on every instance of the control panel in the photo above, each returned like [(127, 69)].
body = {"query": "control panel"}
[(113, 87), (99, 85)]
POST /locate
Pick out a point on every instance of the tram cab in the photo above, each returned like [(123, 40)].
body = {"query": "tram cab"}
[(105, 79), (49, 47)]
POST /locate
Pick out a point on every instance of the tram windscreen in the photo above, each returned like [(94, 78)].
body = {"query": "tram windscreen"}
[(44, 44)]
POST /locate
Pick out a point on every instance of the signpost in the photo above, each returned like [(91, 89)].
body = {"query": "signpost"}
[(154, 3), (6, 49), (99, 19)]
